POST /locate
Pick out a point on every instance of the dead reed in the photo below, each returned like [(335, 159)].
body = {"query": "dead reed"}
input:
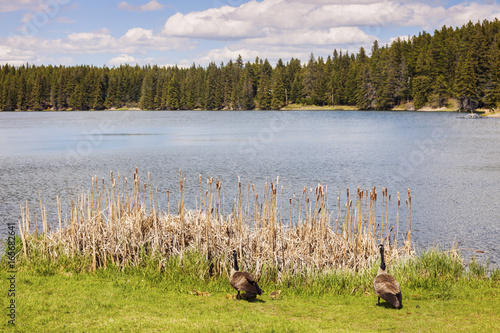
[(121, 224)]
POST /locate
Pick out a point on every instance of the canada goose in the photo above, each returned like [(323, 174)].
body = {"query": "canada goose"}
[(386, 286), (243, 281)]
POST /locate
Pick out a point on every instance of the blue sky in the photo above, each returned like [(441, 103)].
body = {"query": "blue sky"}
[(182, 32)]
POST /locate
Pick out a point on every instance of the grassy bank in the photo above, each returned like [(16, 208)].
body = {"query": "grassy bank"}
[(451, 105), (439, 294)]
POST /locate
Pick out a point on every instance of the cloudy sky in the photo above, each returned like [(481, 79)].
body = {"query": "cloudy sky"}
[(167, 32)]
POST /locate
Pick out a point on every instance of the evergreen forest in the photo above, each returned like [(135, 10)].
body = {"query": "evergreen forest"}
[(461, 65)]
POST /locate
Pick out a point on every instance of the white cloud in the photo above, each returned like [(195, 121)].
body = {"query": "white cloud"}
[(22, 49), (210, 24), (308, 37), (12, 6), (150, 6), (465, 12), (262, 19), (280, 28), (122, 59), (290, 22)]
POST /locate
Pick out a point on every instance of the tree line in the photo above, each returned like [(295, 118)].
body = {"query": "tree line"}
[(461, 64)]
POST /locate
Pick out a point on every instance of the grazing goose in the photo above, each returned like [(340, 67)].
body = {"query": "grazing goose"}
[(386, 286), (243, 281)]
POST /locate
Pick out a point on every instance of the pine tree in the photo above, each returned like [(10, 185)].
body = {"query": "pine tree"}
[(213, 96), (351, 84), (247, 100), (310, 76), (492, 87), (174, 91), (465, 87), (365, 93), (146, 101), (264, 96), (440, 91), (278, 91), (98, 91)]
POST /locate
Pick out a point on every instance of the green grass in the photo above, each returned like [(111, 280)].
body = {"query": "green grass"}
[(439, 294), (122, 302)]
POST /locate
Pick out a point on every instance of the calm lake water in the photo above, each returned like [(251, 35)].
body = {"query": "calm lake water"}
[(451, 165)]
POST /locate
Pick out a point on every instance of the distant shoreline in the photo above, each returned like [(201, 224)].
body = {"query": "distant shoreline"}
[(298, 107)]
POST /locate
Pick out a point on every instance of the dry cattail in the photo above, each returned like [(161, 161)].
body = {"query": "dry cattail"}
[(309, 241)]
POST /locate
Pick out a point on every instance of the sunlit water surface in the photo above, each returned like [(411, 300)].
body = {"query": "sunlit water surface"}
[(451, 165)]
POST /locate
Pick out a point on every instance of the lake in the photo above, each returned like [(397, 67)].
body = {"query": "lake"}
[(451, 165)]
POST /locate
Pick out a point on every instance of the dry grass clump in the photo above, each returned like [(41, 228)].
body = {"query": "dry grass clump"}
[(121, 224)]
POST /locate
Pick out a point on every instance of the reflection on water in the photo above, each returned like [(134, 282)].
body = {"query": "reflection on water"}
[(451, 165)]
